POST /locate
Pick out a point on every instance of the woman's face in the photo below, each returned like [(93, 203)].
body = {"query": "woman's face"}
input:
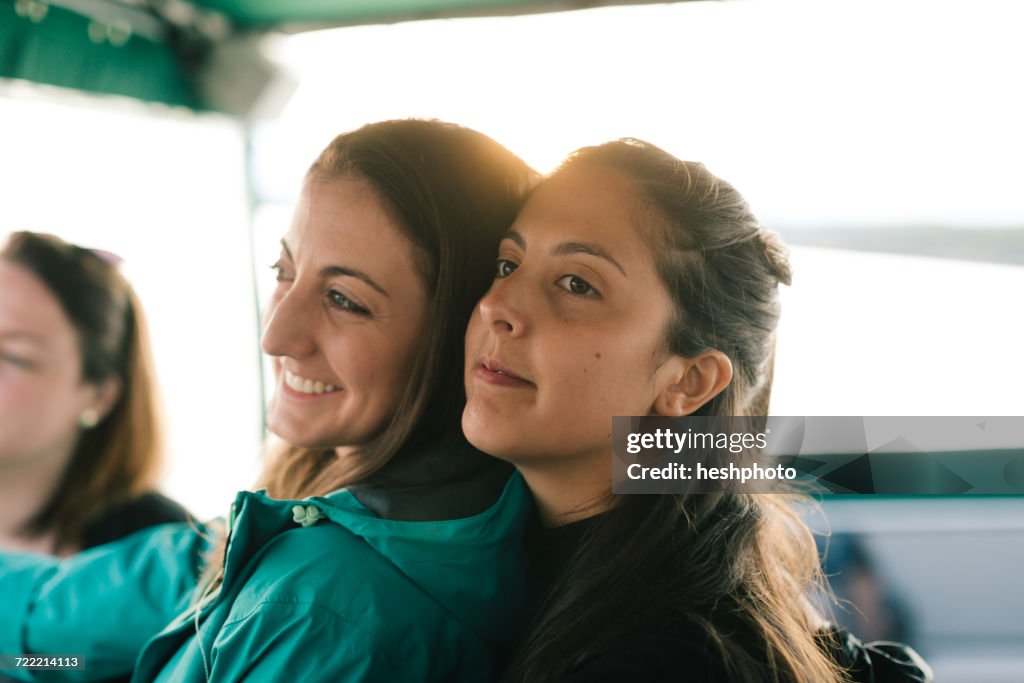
[(345, 318), (42, 395), (572, 331)]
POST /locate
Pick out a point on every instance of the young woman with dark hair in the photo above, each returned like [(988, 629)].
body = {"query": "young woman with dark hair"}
[(633, 283), (80, 429), (384, 547)]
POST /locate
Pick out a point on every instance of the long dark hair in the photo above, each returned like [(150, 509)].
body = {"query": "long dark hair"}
[(731, 566), (453, 191), (119, 457)]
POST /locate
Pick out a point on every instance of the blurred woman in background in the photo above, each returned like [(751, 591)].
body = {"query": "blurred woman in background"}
[(80, 433)]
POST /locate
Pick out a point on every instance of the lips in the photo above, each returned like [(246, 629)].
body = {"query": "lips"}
[(494, 372), (304, 385)]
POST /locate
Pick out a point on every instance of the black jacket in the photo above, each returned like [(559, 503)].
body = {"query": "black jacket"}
[(679, 656), (680, 653)]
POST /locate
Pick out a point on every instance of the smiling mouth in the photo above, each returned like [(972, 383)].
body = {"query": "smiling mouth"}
[(304, 385)]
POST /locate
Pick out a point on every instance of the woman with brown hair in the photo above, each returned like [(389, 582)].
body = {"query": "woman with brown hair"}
[(80, 430), (384, 547), (634, 284)]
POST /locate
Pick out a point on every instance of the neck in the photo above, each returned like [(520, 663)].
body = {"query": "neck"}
[(567, 490), (26, 486), (350, 464)]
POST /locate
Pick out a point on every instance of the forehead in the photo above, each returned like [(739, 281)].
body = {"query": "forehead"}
[(26, 305), (343, 221), (587, 204)]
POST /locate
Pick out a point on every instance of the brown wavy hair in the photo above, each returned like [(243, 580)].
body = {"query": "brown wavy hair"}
[(453, 192), (732, 566), (120, 457)]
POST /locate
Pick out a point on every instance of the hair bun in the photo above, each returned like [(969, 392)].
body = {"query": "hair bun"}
[(776, 255)]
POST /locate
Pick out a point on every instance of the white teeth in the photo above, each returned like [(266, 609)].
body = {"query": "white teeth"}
[(307, 386)]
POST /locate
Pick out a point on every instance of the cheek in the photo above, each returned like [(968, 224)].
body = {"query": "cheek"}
[(376, 369), (27, 394), (13, 402), (472, 347), (615, 378), (475, 329), (399, 353), (44, 405), (594, 359)]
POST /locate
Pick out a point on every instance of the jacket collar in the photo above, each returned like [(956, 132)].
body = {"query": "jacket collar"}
[(443, 556), (447, 481)]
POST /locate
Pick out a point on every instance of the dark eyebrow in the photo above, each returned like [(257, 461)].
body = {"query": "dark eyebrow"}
[(333, 271), (514, 235), (342, 271), (567, 248)]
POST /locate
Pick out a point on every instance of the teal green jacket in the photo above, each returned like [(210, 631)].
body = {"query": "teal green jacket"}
[(314, 590), (102, 604)]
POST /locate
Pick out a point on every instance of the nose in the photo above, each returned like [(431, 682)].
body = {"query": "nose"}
[(288, 327), (501, 308)]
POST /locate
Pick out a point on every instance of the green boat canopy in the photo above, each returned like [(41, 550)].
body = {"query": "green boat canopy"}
[(169, 51)]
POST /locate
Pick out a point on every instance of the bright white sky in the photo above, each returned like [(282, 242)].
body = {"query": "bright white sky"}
[(866, 113)]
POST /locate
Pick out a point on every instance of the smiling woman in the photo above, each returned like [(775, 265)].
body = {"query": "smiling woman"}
[(365, 328), (383, 546), (349, 324)]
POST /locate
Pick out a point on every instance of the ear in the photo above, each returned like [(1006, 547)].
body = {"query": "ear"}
[(693, 382), (105, 396)]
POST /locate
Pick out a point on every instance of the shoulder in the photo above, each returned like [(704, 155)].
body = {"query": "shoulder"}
[(331, 570), (320, 565), (324, 592), (654, 657), (877, 661), (279, 638), (135, 514)]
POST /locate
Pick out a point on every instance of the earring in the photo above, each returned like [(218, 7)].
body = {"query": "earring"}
[(89, 418)]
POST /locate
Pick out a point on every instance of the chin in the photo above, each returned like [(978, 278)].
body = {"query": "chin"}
[(286, 432), (307, 440), (493, 442)]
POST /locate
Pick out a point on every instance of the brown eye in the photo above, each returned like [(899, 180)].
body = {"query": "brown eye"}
[(505, 268), (577, 285)]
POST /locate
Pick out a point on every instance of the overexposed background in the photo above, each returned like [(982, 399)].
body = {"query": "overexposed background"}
[(165, 191), (826, 115), (831, 117)]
